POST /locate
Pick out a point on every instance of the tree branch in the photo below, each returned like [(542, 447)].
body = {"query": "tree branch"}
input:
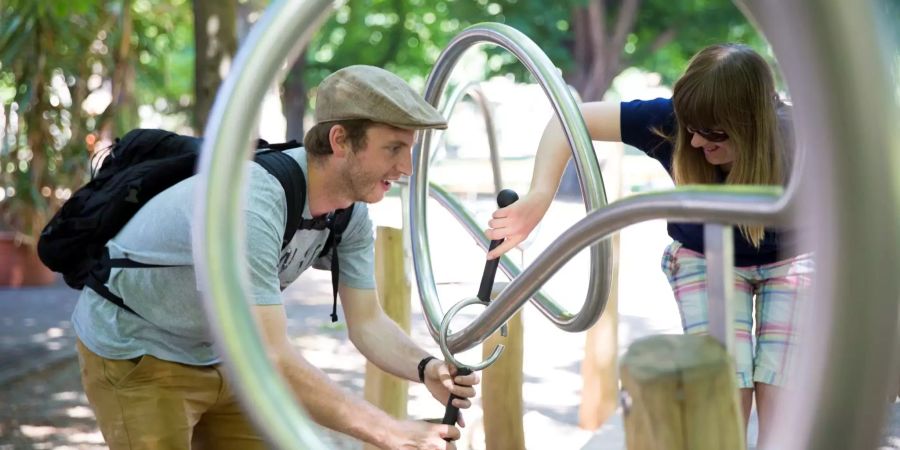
[(625, 21), (596, 13), (663, 39)]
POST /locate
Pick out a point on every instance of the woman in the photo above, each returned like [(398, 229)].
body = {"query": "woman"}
[(723, 125)]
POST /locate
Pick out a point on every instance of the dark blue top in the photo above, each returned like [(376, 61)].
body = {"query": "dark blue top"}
[(639, 119)]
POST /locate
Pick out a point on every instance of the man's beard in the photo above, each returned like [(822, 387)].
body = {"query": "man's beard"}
[(360, 186)]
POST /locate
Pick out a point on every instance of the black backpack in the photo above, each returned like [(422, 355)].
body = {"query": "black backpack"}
[(140, 165)]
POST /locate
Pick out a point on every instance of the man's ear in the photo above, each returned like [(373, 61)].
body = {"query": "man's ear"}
[(337, 139)]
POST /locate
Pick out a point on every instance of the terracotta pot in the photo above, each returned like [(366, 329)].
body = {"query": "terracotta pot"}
[(20, 265)]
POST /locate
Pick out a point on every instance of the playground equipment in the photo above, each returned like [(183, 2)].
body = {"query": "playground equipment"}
[(476, 93), (832, 58)]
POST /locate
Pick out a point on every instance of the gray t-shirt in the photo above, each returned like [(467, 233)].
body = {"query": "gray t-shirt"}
[(172, 324)]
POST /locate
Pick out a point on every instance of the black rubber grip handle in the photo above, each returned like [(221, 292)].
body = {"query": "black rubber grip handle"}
[(451, 414), (505, 198)]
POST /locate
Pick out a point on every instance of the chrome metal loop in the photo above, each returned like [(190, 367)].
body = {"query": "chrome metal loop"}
[(445, 332), (474, 91), (588, 168), (721, 204), (836, 60), (218, 239), (835, 65)]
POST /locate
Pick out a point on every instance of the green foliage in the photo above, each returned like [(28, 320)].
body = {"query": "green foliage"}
[(695, 23), (164, 41), (56, 54), (406, 36), (57, 61), (46, 53)]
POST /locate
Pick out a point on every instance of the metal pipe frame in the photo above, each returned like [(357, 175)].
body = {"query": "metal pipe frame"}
[(835, 58), (531, 56), (475, 92), (718, 242), (835, 64), (725, 205), (218, 235), (545, 304)]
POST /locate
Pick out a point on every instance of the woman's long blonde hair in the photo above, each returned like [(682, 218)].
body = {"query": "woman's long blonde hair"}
[(730, 87)]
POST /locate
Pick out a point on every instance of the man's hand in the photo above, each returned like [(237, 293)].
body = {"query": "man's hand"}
[(442, 379), (418, 435), (515, 222)]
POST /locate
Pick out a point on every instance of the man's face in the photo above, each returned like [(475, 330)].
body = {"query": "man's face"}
[(385, 156)]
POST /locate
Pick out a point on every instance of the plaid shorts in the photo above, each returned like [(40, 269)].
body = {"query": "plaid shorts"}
[(777, 287)]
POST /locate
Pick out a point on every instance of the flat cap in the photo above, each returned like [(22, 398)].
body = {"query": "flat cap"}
[(368, 92)]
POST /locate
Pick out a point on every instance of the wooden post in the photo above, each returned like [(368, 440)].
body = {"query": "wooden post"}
[(381, 389), (599, 369), (680, 393), (501, 391)]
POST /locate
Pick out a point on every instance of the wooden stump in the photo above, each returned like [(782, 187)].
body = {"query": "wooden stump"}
[(680, 394)]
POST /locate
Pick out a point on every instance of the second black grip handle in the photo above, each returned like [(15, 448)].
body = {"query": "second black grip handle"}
[(505, 198), (451, 414)]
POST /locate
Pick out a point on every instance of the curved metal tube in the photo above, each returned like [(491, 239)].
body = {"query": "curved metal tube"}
[(586, 162), (474, 91), (219, 240), (445, 333), (836, 66), (725, 205), (825, 46), (544, 304)]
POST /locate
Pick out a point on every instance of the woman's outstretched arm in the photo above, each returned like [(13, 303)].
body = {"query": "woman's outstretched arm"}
[(515, 222)]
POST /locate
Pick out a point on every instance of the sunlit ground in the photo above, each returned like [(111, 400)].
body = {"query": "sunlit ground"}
[(48, 411)]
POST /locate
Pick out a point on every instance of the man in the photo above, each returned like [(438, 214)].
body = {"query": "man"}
[(153, 377)]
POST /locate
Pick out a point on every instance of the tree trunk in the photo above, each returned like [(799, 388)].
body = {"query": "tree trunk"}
[(597, 54), (215, 38), (121, 114), (35, 213), (599, 41), (293, 99)]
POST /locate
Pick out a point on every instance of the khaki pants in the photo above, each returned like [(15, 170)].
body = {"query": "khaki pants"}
[(148, 403)]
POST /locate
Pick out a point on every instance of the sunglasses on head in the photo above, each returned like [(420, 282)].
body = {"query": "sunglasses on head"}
[(709, 135)]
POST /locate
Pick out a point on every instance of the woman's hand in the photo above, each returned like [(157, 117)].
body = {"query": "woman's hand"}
[(515, 222), (442, 379)]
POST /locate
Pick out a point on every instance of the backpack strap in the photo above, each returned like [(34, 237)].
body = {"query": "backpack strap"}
[(96, 279), (280, 165), (288, 173), (337, 225), (285, 168)]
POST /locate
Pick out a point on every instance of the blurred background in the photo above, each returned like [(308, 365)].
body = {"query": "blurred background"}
[(75, 75)]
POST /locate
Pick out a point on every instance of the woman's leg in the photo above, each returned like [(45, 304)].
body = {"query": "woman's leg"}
[(746, 405), (686, 271), (766, 395), (782, 286)]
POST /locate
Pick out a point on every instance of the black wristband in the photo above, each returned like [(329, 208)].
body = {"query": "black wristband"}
[(422, 364)]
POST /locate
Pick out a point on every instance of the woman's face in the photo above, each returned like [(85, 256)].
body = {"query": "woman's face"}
[(716, 146)]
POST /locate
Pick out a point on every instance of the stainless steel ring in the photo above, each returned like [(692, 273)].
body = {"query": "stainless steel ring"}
[(445, 332)]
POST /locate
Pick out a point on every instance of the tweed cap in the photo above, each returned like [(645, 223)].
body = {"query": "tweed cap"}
[(368, 92)]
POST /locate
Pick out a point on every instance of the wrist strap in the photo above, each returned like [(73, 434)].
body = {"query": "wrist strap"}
[(422, 364)]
